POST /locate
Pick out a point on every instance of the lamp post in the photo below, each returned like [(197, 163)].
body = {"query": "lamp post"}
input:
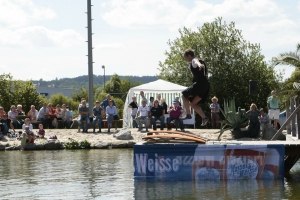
[(103, 67)]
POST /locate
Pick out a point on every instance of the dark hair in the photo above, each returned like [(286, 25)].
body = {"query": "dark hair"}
[(151, 98), (189, 52)]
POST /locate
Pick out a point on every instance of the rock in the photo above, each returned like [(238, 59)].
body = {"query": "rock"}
[(2, 147), (10, 148), (271, 132), (123, 134), (53, 146)]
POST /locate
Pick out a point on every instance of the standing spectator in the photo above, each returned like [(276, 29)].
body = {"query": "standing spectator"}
[(175, 113), (105, 102), (142, 115), (159, 99), (264, 122), (254, 126), (273, 106), (134, 107), (157, 113), (66, 116), (164, 105), (42, 116), (97, 116), (143, 96), (84, 115), (151, 102), (177, 98), (33, 114), (12, 116), (111, 114), (23, 138), (215, 110)]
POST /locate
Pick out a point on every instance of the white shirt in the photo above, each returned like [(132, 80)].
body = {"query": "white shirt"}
[(144, 111)]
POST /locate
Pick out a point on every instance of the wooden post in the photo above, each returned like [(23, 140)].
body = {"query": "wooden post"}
[(293, 119), (288, 113), (293, 114), (298, 117)]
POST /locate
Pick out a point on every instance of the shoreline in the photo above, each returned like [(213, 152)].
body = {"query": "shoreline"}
[(101, 140)]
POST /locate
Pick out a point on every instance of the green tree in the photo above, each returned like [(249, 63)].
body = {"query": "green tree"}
[(15, 92), (62, 99), (113, 86), (231, 61)]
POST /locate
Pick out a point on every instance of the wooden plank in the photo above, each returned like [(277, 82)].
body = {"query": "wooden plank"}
[(286, 122), (293, 119), (288, 113), (175, 132), (172, 136)]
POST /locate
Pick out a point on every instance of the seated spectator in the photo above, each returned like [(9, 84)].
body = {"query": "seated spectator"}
[(46, 121), (84, 115), (66, 116), (20, 110), (30, 135), (157, 113), (254, 125), (41, 131), (177, 98), (142, 115), (4, 126), (7, 123), (175, 113), (134, 107), (27, 123), (97, 116), (111, 114), (105, 102), (12, 116), (264, 122), (59, 115), (51, 109), (70, 111), (33, 114)]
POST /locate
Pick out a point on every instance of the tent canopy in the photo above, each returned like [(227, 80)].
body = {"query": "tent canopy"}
[(169, 91)]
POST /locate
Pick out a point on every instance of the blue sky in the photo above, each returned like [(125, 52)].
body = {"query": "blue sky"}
[(46, 38)]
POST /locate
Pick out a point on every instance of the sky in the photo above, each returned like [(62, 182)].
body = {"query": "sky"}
[(46, 39)]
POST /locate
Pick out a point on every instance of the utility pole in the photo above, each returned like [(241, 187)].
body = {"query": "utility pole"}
[(90, 57)]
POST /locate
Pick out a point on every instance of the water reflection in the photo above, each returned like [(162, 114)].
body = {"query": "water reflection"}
[(108, 174)]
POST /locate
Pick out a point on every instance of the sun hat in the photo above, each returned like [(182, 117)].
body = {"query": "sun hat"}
[(214, 98)]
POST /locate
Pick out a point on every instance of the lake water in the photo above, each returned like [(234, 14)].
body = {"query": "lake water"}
[(108, 174)]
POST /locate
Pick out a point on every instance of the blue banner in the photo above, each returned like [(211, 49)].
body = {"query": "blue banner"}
[(209, 161)]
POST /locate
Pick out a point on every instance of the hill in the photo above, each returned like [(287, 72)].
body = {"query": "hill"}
[(82, 81)]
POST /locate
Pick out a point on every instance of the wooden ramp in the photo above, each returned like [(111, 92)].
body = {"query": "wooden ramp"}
[(160, 136)]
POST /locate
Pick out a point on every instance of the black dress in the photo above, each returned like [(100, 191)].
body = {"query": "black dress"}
[(200, 84)]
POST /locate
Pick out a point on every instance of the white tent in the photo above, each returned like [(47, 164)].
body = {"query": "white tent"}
[(169, 91)]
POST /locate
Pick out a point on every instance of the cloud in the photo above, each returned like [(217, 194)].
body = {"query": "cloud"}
[(38, 36), (143, 13), (258, 14), (109, 46), (288, 40), (21, 13)]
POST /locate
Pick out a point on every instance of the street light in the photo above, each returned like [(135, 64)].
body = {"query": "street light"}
[(103, 67)]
